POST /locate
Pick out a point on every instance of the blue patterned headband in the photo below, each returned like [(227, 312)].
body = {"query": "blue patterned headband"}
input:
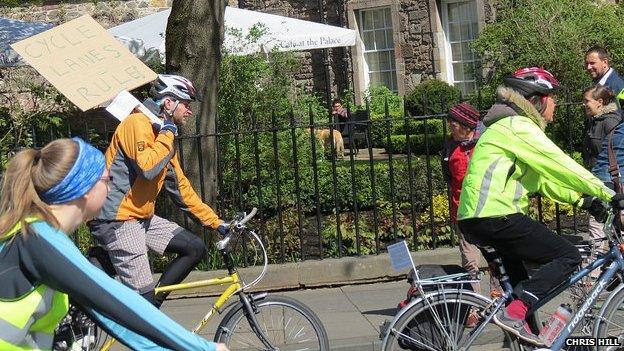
[(86, 171)]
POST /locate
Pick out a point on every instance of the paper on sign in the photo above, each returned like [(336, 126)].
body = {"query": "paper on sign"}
[(400, 256), (84, 62), (123, 104)]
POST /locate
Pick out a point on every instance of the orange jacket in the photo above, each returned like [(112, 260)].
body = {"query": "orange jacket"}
[(141, 159)]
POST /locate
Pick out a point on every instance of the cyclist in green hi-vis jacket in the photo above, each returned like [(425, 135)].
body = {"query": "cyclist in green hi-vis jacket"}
[(512, 160)]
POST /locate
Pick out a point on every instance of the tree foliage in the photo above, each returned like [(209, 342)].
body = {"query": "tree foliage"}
[(553, 34)]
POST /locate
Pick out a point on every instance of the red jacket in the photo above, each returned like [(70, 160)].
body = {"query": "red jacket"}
[(454, 166)]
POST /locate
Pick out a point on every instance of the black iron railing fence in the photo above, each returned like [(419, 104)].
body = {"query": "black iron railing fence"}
[(313, 202)]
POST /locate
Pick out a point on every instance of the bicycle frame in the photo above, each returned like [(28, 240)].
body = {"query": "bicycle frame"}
[(617, 264), (235, 285)]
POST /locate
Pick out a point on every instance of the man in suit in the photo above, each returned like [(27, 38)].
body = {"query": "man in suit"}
[(597, 65)]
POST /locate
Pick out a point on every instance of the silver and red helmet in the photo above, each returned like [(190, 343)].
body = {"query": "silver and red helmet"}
[(533, 81), (175, 86)]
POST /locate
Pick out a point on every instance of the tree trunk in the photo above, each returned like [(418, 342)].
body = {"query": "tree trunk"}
[(193, 47)]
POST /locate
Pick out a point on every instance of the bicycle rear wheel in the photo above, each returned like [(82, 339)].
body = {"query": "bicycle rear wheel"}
[(288, 324), (441, 324)]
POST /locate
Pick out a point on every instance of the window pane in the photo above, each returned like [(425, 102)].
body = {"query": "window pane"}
[(459, 86), (369, 40), (367, 19), (380, 39), (378, 19), (470, 87), (468, 12), (466, 31), (375, 78), (389, 38), (372, 59), (469, 72), (394, 82), (458, 72), (456, 52), (388, 17), (475, 29), (466, 51), (384, 61), (454, 32), (453, 12)]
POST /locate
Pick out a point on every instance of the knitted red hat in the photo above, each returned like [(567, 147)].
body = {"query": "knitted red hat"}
[(465, 115)]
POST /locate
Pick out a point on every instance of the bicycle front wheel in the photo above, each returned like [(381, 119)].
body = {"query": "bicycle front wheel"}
[(610, 324), (287, 323), (446, 320)]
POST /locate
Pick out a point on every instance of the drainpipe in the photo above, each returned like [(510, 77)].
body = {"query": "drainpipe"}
[(321, 10), (342, 15)]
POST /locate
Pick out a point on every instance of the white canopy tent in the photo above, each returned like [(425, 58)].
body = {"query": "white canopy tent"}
[(12, 31), (145, 36)]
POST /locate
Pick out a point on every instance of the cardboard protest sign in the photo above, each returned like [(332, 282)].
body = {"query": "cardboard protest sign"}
[(84, 62)]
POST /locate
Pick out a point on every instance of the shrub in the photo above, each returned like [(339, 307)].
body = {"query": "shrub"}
[(378, 96), (262, 192), (418, 146), (432, 97), (418, 126), (441, 229), (382, 124)]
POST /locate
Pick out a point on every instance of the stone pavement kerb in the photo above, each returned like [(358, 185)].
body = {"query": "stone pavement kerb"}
[(322, 273)]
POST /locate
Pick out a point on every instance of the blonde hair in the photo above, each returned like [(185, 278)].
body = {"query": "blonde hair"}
[(29, 173)]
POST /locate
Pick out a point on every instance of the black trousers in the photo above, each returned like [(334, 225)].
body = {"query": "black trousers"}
[(519, 238)]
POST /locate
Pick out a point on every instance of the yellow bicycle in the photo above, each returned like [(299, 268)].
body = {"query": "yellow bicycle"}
[(258, 321)]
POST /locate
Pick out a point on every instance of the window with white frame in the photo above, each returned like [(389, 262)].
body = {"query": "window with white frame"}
[(376, 31), (461, 27)]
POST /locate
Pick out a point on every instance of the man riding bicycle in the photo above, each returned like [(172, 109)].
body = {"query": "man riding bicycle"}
[(142, 160), (512, 160)]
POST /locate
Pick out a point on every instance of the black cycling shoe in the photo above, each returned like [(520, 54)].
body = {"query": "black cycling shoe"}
[(517, 327)]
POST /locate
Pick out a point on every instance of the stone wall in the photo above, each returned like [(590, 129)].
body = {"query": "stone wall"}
[(107, 13), (416, 42)]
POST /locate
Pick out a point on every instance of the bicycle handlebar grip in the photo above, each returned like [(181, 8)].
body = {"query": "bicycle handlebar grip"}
[(222, 244), (248, 217)]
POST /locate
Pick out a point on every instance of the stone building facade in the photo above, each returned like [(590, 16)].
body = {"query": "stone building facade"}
[(400, 44)]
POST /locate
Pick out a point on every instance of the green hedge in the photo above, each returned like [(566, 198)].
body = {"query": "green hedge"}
[(418, 146), (431, 97), (412, 127), (341, 198)]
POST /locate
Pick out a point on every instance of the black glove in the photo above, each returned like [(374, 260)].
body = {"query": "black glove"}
[(617, 201), (223, 229), (596, 207)]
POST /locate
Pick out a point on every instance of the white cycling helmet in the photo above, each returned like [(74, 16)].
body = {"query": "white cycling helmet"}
[(175, 86)]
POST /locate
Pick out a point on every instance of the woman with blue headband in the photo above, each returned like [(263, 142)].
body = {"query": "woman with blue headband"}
[(45, 196)]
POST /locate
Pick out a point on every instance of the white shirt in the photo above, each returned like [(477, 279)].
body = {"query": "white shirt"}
[(604, 78)]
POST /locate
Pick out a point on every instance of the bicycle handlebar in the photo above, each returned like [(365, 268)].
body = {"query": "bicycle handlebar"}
[(237, 224)]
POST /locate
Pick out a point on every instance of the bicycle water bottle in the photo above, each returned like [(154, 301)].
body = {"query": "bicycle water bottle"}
[(555, 324)]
